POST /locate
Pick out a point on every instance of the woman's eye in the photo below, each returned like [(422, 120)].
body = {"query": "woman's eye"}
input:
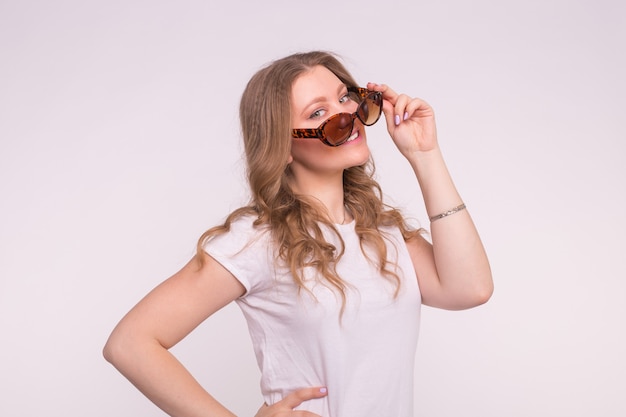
[(344, 98), (316, 114)]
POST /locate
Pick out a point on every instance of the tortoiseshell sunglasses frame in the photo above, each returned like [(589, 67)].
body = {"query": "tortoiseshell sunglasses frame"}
[(318, 133)]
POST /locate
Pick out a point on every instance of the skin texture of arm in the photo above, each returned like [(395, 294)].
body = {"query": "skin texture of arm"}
[(454, 271), (138, 346)]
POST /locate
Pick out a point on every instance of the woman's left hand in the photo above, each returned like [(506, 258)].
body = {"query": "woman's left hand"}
[(410, 121)]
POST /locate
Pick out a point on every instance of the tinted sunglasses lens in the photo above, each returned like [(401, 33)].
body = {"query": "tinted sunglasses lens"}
[(338, 128), (370, 108)]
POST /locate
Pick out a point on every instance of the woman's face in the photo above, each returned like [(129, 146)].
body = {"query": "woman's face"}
[(315, 96)]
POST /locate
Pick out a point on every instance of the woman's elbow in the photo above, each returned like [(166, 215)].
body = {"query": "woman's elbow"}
[(119, 348), (478, 293), (112, 350), (483, 291), (484, 294)]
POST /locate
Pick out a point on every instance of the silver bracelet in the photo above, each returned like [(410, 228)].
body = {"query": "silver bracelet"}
[(448, 213)]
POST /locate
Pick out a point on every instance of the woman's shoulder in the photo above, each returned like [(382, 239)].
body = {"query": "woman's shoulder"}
[(242, 246), (240, 231), (250, 224)]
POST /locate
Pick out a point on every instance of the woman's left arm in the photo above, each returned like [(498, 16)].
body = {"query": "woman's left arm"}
[(453, 272)]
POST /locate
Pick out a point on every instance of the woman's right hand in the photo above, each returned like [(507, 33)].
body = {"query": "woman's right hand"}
[(285, 407)]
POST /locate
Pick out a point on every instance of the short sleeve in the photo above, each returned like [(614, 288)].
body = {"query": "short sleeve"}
[(246, 252)]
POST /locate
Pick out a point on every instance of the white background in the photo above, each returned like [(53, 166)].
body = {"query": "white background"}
[(119, 146)]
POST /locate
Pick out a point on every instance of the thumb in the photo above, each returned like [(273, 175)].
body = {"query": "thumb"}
[(298, 397)]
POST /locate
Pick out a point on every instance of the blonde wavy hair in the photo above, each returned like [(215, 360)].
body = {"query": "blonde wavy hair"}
[(294, 220)]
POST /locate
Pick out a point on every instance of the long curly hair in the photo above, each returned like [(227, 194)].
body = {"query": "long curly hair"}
[(294, 220)]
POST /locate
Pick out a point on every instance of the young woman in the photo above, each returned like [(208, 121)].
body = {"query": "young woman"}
[(329, 278)]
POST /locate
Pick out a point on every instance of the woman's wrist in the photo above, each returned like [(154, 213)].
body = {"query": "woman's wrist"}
[(425, 161), (438, 189)]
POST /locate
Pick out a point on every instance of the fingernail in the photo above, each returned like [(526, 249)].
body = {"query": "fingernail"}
[(323, 390), (397, 119), (406, 115)]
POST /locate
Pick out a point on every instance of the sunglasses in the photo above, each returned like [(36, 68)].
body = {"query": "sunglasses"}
[(336, 129)]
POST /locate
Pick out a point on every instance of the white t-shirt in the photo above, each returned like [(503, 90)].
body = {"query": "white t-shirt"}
[(366, 360)]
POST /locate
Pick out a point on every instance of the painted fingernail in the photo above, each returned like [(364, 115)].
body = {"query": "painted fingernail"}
[(397, 119), (406, 115), (323, 390)]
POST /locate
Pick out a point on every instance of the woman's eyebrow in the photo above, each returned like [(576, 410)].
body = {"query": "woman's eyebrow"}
[(319, 99)]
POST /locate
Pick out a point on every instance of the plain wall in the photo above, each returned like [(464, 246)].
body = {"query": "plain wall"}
[(119, 146)]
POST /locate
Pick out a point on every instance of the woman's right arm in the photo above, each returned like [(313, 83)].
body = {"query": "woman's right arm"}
[(138, 346)]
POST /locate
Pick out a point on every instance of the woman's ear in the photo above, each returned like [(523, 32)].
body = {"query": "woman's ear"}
[(290, 159)]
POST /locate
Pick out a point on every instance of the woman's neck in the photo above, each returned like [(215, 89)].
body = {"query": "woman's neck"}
[(328, 191)]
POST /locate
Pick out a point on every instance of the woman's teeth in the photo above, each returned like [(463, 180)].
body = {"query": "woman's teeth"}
[(353, 136)]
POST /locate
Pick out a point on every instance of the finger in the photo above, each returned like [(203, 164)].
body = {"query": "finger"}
[(390, 119), (388, 93), (389, 101), (400, 110), (298, 397), (419, 108)]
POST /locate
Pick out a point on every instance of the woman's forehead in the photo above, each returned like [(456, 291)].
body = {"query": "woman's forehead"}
[(319, 82)]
